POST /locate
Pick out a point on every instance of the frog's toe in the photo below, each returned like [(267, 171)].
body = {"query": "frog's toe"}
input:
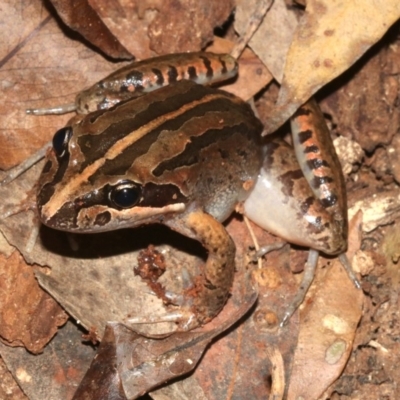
[(181, 299), (187, 279)]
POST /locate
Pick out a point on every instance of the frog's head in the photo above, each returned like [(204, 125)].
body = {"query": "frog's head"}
[(83, 188)]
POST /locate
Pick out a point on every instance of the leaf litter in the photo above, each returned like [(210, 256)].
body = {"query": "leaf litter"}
[(50, 67)]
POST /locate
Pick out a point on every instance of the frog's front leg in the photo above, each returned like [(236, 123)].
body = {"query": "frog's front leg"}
[(211, 289)]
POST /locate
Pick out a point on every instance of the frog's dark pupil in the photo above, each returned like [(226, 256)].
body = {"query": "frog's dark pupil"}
[(60, 141), (125, 195)]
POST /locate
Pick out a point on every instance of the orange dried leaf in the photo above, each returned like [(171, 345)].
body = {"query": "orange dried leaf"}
[(28, 316)]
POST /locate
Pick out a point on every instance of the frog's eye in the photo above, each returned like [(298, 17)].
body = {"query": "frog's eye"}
[(125, 195), (60, 141)]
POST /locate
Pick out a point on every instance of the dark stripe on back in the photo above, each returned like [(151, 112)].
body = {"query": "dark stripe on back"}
[(190, 154), (305, 135), (95, 146), (120, 164)]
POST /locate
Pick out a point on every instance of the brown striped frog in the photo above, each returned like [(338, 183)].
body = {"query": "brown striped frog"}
[(156, 146)]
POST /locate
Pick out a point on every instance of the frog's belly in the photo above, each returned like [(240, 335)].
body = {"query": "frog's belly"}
[(270, 209), (290, 217)]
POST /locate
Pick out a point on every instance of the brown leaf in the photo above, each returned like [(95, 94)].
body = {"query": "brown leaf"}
[(253, 75), (168, 32), (54, 374), (365, 107), (331, 36), (274, 36), (102, 380), (44, 68), (239, 364), (162, 27), (28, 316), (128, 364), (329, 319), (82, 18)]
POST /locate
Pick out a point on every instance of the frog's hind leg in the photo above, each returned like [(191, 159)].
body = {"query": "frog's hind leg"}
[(308, 277), (303, 198), (349, 270)]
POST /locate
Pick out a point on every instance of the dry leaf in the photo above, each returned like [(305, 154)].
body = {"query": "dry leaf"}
[(144, 363), (162, 27), (54, 374), (331, 36), (274, 36), (45, 69), (29, 317), (327, 328), (366, 109), (81, 17)]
